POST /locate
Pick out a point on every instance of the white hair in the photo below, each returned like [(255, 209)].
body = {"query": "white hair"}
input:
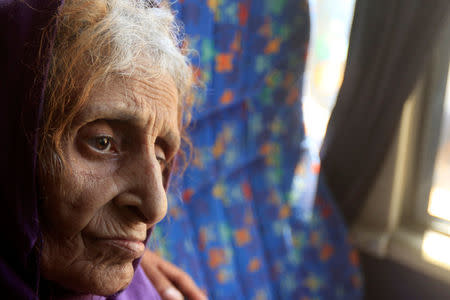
[(141, 30)]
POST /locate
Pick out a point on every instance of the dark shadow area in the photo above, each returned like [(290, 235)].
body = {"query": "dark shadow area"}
[(386, 279)]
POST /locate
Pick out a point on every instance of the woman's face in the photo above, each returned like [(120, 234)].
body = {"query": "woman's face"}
[(95, 220)]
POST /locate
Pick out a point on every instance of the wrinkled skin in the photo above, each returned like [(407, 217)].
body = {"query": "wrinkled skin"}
[(96, 218)]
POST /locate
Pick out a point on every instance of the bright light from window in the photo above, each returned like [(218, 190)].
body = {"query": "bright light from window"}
[(316, 116), (330, 29), (436, 248), (439, 200), (439, 204)]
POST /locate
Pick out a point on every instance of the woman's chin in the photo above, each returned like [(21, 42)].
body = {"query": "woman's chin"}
[(110, 280), (102, 280)]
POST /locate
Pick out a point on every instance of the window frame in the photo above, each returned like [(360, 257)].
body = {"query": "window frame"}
[(432, 110)]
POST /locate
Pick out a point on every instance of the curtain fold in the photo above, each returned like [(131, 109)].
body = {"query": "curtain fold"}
[(390, 43)]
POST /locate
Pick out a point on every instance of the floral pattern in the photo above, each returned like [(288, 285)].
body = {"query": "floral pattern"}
[(245, 220)]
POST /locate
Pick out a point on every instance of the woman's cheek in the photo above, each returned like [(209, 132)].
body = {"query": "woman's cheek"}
[(87, 187)]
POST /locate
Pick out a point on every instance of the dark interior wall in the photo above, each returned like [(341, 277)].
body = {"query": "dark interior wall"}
[(386, 280)]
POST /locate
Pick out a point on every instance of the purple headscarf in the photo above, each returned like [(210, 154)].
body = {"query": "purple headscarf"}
[(24, 62)]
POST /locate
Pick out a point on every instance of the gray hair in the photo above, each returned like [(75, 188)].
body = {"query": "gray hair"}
[(141, 30)]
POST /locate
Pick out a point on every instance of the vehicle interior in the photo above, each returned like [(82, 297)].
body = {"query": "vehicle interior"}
[(290, 181)]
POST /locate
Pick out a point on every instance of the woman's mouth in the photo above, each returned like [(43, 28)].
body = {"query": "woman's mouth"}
[(129, 248)]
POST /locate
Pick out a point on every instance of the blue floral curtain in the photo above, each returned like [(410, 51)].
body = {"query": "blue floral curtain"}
[(244, 220)]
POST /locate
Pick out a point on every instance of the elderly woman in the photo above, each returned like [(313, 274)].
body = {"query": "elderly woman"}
[(95, 95)]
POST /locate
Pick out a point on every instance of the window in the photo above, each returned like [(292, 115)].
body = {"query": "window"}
[(434, 211), (432, 194), (439, 197), (406, 215)]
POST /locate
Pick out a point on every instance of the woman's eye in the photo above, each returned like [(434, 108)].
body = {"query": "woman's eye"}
[(102, 143), (162, 162), (161, 157)]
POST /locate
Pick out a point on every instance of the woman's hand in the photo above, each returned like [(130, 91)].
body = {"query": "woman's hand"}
[(171, 282)]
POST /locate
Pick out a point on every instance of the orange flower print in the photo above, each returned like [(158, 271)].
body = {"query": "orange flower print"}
[(266, 29), (187, 194), (224, 62), (243, 14), (222, 276), (254, 265), (174, 212), (242, 237), (285, 212), (218, 147), (236, 44), (227, 97), (326, 252), (202, 239), (292, 96), (273, 46), (216, 257), (354, 258), (246, 190)]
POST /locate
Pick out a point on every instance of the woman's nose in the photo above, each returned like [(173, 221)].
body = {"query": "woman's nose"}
[(145, 187)]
